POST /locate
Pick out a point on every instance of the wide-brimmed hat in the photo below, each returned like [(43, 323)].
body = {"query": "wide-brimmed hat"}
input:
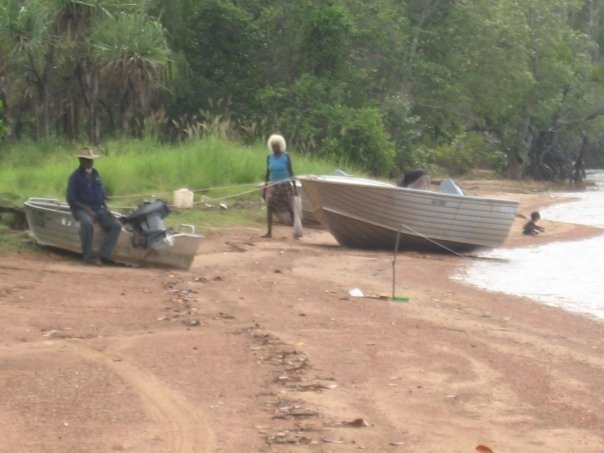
[(87, 153)]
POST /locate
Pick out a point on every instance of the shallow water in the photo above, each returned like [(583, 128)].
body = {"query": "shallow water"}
[(564, 274)]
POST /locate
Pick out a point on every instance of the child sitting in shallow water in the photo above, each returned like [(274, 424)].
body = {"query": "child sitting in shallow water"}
[(531, 227)]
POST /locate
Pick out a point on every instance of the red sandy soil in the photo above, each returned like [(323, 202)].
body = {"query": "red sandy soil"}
[(260, 348)]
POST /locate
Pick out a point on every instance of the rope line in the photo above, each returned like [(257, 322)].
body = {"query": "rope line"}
[(467, 257), (206, 189), (206, 199), (137, 195), (438, 244)]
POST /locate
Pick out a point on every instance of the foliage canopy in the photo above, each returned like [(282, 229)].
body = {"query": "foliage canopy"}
[(388, 84)]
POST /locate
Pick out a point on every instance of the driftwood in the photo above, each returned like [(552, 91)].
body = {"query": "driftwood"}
[(19, 221)]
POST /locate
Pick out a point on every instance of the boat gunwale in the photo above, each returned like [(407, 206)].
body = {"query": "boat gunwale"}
[(358, 182), (63, 208)]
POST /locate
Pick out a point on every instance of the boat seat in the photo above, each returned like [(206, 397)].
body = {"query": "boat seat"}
[(449, 187)]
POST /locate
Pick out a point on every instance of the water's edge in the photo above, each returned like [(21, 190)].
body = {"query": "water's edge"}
[(561, 274)]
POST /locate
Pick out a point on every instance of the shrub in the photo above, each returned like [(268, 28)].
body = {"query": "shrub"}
[(358, 136), (466, 151)]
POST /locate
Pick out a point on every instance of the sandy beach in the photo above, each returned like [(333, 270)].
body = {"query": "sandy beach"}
[(259, 347)]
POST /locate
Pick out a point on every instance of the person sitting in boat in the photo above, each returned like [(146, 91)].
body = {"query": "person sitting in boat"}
[(415, 179), (87, 200), (278, 194), (531, 228)]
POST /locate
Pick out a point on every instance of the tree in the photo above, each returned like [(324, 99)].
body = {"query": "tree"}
[(510, 71), (324, 43), (430, 78), (31, 52), (129, 57), (567, 96), (219, 48)]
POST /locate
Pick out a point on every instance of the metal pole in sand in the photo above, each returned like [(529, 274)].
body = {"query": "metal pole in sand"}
[(398, 237)]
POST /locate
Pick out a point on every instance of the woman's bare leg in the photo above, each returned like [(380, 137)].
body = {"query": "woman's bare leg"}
[(269, 223)]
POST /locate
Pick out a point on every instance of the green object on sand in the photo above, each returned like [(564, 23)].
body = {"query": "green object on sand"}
[(400, 299)]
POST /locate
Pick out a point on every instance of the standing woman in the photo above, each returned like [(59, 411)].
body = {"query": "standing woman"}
[(278, 195)]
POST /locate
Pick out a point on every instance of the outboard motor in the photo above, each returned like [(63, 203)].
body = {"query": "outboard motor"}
[(146, 225)]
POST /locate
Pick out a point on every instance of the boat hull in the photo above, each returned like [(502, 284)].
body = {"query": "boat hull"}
[(367, 214), (53, 225)]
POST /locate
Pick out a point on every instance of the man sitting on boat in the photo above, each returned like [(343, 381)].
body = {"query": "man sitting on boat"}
[(87, 200)]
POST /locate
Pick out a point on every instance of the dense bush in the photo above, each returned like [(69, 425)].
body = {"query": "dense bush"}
[(359, 136), (465, 152), (452, 86), (2, 126)]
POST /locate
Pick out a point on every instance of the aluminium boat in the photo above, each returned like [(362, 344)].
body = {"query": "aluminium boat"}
[(364, 213), (143, 240)]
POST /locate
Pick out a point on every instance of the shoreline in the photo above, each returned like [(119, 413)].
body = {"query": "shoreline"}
[(534, 200), (260, 347), (555, 232)]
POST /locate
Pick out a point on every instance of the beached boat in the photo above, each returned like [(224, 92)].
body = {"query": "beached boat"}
[(143, 240), (363, 213)]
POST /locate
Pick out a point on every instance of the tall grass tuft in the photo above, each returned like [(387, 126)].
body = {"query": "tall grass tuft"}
[(147, 169)]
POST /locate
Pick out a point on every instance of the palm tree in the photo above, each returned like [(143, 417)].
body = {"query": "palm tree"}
[(29, 50), (132, 55), (73, 21)]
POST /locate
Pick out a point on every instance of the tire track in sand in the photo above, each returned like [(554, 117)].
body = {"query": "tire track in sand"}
[(182, 425)]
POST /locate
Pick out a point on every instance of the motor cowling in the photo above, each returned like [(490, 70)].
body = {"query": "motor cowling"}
[(146, 224)]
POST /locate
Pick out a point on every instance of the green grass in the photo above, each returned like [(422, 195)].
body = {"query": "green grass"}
[(142, 166), (207, 220), (219, 171), (12, 241)]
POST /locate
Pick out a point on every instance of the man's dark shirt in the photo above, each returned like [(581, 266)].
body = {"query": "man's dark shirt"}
[(87, 193)]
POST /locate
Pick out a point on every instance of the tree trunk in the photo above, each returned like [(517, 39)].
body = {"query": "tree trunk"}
[(110, 123), (88, 79), (46, 110), (543, 164), (126, 108), (579, 166), (514, 166), (70, 120), (428, 8), (93, 99), (42, 80)]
